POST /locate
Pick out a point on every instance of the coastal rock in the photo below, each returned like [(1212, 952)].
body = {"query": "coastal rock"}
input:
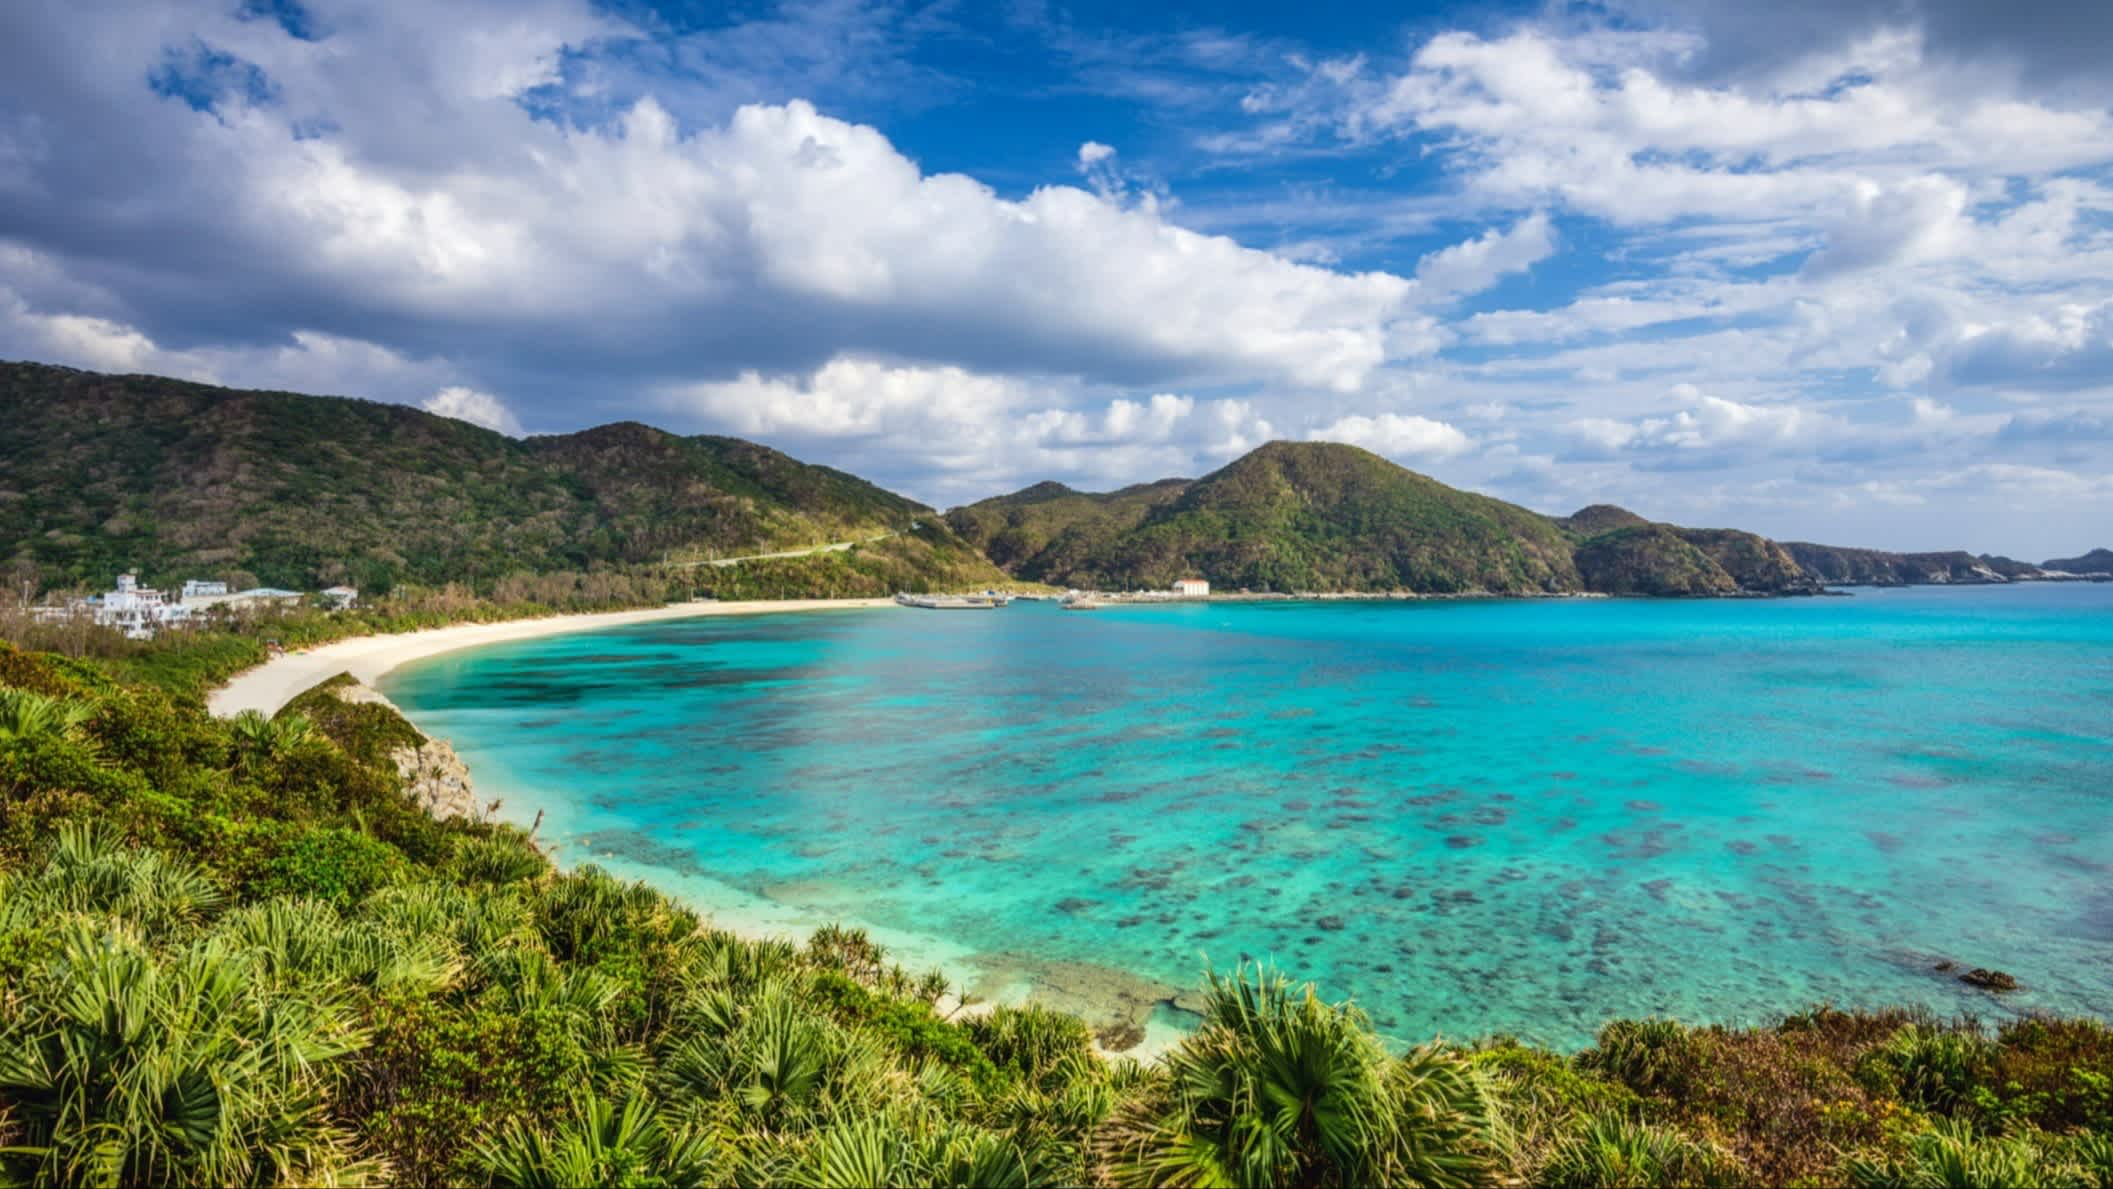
[(1989, 980), (434, 776)]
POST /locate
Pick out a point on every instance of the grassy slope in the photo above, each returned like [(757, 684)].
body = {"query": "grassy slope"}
[(98, 473), (330, 984)]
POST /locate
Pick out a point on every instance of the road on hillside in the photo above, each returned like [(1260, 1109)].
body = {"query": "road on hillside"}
[(832, 547)]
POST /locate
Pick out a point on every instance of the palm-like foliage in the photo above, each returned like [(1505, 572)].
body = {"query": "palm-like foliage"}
[(260, 737), (1613, 1151), (499, 860), (601, 1144), (1280, 1088), (1953, 1156), (134, 1070), (91, 870), (26, 716), (1934, 1068)]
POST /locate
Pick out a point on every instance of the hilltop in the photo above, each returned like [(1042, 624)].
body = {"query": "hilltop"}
[(1322, 516), (102, 473), (1289, 516)]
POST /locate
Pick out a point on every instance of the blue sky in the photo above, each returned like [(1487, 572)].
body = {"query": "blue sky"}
[(1827, 269)]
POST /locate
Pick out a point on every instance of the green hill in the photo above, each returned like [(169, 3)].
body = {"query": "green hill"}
[(102, 473), (1317, 516), (1650, 559), (1589, 522), (1289, 516)]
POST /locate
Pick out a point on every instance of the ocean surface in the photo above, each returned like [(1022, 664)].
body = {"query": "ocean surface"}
[(1471, 817)]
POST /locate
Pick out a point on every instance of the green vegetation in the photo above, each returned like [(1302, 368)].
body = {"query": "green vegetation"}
[(103, 473), (1291, 516), (929, 558), (1876, 567), (1651, 559), (177, 480), (237, 953), (1320, 517)]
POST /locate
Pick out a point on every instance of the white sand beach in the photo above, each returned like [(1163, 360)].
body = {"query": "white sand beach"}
[(278, 681)]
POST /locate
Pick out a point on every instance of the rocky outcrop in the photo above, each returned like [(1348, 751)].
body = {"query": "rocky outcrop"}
[(2098, 561), (1989, 980), (432, 773), (1878, 567)]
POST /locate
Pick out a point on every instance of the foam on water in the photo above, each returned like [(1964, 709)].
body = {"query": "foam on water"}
[(1473, 817)]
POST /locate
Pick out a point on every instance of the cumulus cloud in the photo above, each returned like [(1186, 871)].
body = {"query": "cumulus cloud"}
[(1704, 430), (2069, 347), (2052, 44), (1396, 435), (414, 195), (949, 434), (477, 408), (1478, 263)]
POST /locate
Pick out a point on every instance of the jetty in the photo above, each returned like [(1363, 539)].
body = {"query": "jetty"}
[(987, 601)]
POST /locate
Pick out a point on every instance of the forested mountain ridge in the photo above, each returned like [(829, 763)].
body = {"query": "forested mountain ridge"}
[(1288, 516), (173, 479), (101, 473), (1320, 516)]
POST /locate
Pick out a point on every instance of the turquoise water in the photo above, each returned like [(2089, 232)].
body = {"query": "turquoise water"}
[(1470, 816)]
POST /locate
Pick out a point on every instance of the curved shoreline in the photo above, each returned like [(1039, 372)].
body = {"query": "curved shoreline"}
[(268, 687), (280, 680)]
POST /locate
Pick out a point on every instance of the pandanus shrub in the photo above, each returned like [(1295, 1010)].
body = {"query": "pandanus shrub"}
[(260, 738), (1611, 1150), (1952, 1155), (91, 870), (1280, 1088), (1650, 1056), (599, 1143), (133, 1069), (28, 716)]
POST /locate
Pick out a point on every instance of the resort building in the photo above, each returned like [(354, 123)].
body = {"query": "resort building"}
[(137, 611), (197, 588), (243, 600), (1192, 588), (341, 598)]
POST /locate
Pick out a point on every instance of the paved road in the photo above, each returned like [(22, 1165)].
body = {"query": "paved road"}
[(832, 547)]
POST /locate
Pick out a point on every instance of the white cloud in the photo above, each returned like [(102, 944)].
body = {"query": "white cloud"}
[(392, 164), (1478, 263), (950, 434), (1396, 435), (477, 408)]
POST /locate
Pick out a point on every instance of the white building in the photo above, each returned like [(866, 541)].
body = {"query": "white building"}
[(244, 600), (138, 611), (195, 588), (1192, 588), (339, 598)]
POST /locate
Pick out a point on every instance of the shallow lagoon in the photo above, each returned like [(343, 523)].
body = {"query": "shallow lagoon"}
[(1470, 816)]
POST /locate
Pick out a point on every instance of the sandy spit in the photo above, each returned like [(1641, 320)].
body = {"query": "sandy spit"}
[(276, 682)]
